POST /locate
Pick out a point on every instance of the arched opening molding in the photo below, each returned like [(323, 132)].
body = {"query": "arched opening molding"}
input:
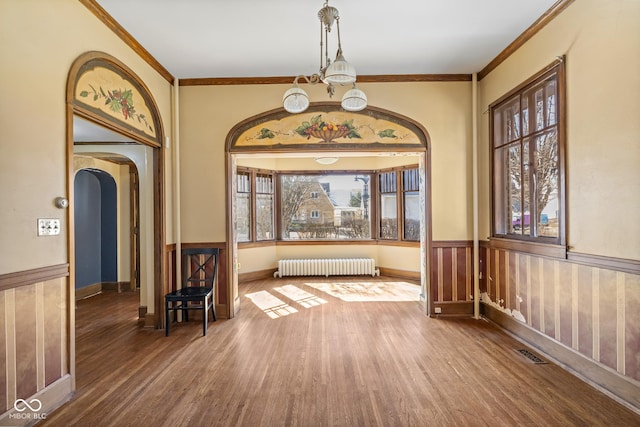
[(324, 129), (103, 90)]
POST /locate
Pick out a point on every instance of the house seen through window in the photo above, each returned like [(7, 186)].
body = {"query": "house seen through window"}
[(334, 207)]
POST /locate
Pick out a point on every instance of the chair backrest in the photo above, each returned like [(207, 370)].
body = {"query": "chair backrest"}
[(199, 267)]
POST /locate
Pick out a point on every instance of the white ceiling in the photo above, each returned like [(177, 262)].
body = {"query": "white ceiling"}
[(254, 38)]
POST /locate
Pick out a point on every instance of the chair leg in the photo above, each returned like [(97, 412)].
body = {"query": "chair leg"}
[(166, 318), (205, 316)]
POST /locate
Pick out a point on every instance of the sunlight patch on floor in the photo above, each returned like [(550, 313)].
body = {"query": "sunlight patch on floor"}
[(271, 305), (369, 291), (302, 297), (379, 291)]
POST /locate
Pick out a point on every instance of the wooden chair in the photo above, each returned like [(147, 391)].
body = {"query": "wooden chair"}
[(199, 277)]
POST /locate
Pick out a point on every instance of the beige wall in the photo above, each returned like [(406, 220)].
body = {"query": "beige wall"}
[(601, 41), (48, 37), (207, 113)]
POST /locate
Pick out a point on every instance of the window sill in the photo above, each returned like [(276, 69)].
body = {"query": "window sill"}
[(265, 243), (534, 248), (404, 243), (324, 242), (259, 244)]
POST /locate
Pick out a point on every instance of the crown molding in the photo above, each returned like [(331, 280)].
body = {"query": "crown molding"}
[(380, 78), (540, 23), (114, 26)]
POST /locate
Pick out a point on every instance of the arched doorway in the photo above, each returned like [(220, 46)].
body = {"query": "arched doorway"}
[(373, 132), (96, 238), (103, 91)]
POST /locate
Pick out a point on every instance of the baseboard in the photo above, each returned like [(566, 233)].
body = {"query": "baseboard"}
[(50, 398), (452, 309), (87, 291), (116, 286), (149, 320), (401, 274), (268, 273), (236, 307), (620, 388), (221, 311), (256, 275), (96, 288)]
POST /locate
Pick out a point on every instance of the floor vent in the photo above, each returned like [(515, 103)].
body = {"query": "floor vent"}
[(532, 357)]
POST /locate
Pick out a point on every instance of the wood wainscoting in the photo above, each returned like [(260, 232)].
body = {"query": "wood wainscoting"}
[(572, 311), (452, 277), (34, 340), (256, 275)]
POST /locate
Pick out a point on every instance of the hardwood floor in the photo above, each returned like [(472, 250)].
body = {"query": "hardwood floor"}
[(332, 364)]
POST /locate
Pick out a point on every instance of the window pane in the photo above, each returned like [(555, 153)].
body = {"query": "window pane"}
[(539, 106), (514, 189), (264, 217), (525, 116), (526, 192), (412, 215), (388, 182), (264, 207), (550, 94), (547, 184), (325, 207), (501, 209), (389, 216), (410, 180), (243, 217), (264, 183), (244, 183), (511, 120)]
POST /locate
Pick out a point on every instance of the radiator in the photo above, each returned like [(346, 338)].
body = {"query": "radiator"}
[(326, 267)]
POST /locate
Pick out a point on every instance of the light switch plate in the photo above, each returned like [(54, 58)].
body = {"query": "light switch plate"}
[(48, 226)]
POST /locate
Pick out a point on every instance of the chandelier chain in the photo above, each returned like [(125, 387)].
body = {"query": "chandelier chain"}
[(338, 72)]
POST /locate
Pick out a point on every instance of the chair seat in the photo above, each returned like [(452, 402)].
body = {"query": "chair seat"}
[(195, 292)]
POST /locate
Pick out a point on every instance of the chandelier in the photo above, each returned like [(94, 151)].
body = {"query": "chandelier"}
[(338, 72)]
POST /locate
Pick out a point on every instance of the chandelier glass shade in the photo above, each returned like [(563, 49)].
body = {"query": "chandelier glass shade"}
[(295, 100), (354, 99), (339, 72)]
